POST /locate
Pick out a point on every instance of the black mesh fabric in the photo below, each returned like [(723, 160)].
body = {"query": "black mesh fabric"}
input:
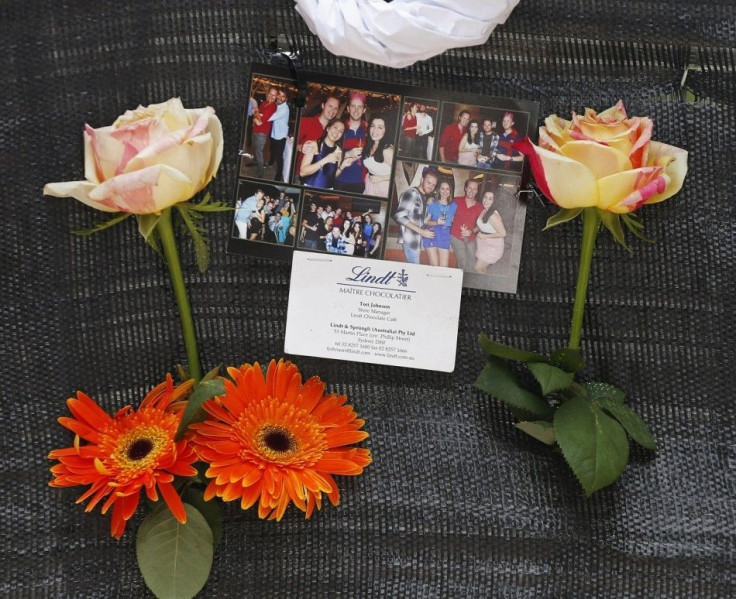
[(457, 502)]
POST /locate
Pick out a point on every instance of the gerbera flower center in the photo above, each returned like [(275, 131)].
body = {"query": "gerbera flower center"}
[(140, 449), (277, 439)]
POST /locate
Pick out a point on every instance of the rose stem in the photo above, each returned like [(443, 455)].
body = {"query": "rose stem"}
[(171, 256), (590, 231)]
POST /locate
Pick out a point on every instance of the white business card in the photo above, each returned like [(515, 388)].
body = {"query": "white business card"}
[(379, 312)]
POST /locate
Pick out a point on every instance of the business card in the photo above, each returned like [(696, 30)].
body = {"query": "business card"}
[(373, 311)]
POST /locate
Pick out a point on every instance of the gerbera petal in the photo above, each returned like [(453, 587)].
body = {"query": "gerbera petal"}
[(338, 438), (172, 499)]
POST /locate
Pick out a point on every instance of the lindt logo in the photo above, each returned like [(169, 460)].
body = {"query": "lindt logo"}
[(362, 274)]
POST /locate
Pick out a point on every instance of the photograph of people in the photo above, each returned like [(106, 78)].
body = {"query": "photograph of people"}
[(410, 215), (378, 156), (469, 146), (490, 238), (472, 136), (267, 143), (439, 217), (319, 167), (257, 216), (328, 224), (356, 110)]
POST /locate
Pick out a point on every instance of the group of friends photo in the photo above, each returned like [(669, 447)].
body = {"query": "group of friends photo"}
[(346, 140), (266, 213), (340, 224), (454, 217), (481, 137), (383, 171)]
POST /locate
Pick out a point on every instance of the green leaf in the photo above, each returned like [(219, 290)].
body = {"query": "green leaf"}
[(597, 391), (541, 430), (493, 348), (570, 360), (101, 226), (594, 444), (209, 509), (175, 559), (202, 391), (147, 227), (612, 222), (551, 378), (198, 234), (631, 421), (563, 216), (497, 379)]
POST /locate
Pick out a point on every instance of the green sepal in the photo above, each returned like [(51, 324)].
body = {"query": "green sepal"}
[(202, 391), (497, 380), (631, 421), (541, 430), (570, 360), (551, 378), (563, 216), (206, 206), (636, 227), (493, 348), (212, 374), (198, 235), (147, 228), (175, 559), (101, 226), (209, 509), (594, 444), (612, 222), (597, 391)]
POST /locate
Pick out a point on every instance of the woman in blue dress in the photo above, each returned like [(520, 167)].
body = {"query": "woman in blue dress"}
[(320, 169), (439, 219)]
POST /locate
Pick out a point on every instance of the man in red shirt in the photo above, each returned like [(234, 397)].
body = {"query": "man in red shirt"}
[(262, 127), (464, 228), (451, 136), (311, 129)]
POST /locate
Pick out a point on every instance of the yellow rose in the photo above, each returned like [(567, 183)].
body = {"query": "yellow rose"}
[(605, 160), (149, 159)]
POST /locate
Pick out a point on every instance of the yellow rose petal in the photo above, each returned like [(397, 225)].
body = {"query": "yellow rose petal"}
[(674, 161), (190, 157), (602, 132), (601, 160), (79, 190), (616, 188), (571, 183)]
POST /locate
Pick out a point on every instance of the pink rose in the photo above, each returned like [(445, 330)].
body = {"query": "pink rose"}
[(149, 159), (605, 160)]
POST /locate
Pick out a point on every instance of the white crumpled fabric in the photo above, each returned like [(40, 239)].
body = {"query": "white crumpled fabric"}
[(399, 33)]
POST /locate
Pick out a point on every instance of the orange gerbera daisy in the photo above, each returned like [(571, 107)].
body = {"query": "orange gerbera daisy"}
[(277, 440), (130, 451)]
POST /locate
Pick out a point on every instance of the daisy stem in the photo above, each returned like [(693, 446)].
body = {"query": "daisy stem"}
[(171, 255), (591, 223)]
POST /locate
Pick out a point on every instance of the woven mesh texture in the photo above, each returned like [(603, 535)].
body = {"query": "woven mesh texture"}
[(457, 503)]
